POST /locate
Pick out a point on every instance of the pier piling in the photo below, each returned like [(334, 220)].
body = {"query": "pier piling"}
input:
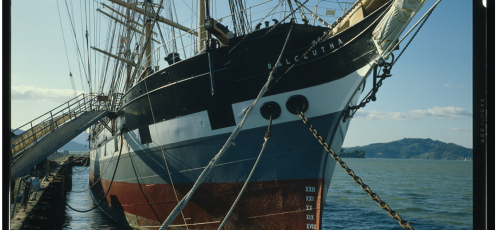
[(46, 210)]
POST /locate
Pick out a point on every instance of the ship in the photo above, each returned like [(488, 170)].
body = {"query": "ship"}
[(172, 122)]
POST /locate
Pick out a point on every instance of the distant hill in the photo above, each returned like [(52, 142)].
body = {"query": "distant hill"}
[(354, 154), (70, 146), (415, 148)]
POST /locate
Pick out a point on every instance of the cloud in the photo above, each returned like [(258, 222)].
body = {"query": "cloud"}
[(455, 129), (447, 85), (24, 92), (438, 112)]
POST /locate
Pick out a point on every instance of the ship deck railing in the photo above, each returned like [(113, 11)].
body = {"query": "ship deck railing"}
[(185, 44)]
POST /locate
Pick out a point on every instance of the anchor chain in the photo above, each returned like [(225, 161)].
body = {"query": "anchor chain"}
[(393, 214), (371, 95)]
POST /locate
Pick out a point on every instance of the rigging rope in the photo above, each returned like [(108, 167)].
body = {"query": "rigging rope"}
[(180, 31), (304, 18), (76, 45), (291, 9), (427, 15), (369, 96), (315, 11), (229, 142), (95, 55), (162, 152), (139, 61), (174, 41), (66, 50), (106, 61), (162, 40), (239, 16), (255, 26), (326, 34), (88, 48), (267, 32)]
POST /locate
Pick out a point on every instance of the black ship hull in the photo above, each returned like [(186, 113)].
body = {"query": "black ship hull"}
[(172, 126)]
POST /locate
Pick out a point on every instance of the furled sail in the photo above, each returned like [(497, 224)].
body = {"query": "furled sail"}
[(357, 14), (391, 26)]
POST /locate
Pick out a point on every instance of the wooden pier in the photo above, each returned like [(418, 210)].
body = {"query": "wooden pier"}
[(46, 209)]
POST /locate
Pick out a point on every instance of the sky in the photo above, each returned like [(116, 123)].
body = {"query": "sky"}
[(428, 96)]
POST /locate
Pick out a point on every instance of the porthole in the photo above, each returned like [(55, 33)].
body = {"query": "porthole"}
[(270, 109)]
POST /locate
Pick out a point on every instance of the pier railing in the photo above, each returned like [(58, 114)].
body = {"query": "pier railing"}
[(50, 121)]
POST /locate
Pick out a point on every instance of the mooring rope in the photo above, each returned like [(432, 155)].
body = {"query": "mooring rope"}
[(226, 146), (109, 187), (266, 139), (83, 167), (95, 182)]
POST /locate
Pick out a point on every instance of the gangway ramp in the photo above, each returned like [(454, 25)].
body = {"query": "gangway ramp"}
[(54, 129), (53, 141), (29, 137)]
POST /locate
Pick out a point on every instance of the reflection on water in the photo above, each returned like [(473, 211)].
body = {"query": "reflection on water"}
[(430, 194)]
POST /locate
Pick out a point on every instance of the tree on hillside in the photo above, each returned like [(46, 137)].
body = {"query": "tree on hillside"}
[(352, 154)]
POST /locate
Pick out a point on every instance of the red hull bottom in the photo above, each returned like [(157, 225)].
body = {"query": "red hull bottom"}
[(286, 204)]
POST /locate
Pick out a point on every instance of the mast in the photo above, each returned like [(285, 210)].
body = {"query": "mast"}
[(126, 24), (150, 14), (126, 17), (128, 55), (128, 61), (202, 34), (147, 30)]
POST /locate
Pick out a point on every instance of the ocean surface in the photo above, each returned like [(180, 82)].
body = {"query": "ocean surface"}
[(430, 194)]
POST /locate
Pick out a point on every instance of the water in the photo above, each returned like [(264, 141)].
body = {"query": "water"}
[(80, 199), (430, 194)]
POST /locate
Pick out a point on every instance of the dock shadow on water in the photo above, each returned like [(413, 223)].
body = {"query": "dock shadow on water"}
[(94, 219)]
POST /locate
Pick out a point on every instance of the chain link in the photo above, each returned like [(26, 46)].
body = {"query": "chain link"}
[(393, 214), (369, 97)]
